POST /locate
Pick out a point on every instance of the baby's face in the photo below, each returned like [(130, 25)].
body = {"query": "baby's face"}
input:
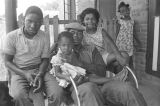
[(66, 45)]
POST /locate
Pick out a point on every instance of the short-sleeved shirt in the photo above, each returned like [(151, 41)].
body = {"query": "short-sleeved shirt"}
[(90, 55), (27, 51)]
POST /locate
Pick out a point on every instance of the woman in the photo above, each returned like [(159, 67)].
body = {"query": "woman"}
[(98, 37)]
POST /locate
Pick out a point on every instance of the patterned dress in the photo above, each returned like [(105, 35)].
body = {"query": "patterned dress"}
[(96, 40), (124, 39)]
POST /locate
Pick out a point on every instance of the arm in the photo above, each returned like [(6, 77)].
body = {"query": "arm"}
[(53, 50), (12, 67), (97, 66), (135, 38), (97, 79), (43, 66), (108, 40), (10, 51), (58, 73), (117, 28)]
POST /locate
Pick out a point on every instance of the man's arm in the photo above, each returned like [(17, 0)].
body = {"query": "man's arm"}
[(12, 67), (43, 66), (116, 52), (53, 50), (135, 38), (97, 66), (97, 79)]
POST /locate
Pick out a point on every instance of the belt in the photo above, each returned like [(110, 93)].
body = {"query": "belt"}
[(31, 67)]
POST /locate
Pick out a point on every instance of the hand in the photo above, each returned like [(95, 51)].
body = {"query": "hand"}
[(67, 76), (81, 80), (30, 77), (37, 83), (125, 59)]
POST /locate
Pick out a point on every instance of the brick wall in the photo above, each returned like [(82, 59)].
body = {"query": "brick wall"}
[(139, 12)]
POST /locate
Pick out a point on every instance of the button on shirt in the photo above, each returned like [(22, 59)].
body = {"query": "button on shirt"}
[(27, 51)]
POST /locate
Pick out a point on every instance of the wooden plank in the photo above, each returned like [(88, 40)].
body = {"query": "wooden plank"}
[(61, 21), (55, 27), (20, 20), (46, 26), (51, 22)]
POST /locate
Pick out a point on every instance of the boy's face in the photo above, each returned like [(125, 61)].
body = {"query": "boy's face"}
[(77, 35), (66, 45), (32, 24), (90, 21)]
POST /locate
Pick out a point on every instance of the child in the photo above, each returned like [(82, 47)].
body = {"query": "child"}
[(98, 37), (124, 31), (62, 61)]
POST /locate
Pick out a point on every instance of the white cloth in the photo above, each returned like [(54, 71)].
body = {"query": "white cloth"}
[(72, 70), (66, 68)]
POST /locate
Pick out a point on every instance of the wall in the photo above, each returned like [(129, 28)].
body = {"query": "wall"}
[(83, 4), (107, 9), (139, 12)]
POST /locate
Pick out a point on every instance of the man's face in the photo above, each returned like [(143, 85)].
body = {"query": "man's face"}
[(77, 35), (32, 24)]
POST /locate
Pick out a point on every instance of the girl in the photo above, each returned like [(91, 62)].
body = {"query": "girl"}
[(98, 37), (61, 69), (124, 32)]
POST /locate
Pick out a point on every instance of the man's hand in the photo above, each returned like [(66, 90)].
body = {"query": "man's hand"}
[(124, 60), (80, 79), (30, 77), (37, 83)]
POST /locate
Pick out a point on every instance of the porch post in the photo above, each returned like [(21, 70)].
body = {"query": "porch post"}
[(10, 15)]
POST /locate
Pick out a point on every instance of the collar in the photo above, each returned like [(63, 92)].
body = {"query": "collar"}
[(78, 48), (21, 31)]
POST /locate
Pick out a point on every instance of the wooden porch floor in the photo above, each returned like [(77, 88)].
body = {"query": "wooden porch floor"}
[(149, 86)]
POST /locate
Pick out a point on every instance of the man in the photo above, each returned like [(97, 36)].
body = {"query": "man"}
[(27, 58), (89, 93), (115, 92)]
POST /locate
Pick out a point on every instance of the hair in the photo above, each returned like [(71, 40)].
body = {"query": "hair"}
[(123, 4), (65, 34), (34, 10), (89, 11)]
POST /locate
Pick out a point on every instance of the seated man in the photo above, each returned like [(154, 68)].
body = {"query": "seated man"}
[(27, 58), (115, 92), (66, 64)]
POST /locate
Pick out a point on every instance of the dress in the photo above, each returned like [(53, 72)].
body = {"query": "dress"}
[(66, 68), (96, 40), (124, 39)]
